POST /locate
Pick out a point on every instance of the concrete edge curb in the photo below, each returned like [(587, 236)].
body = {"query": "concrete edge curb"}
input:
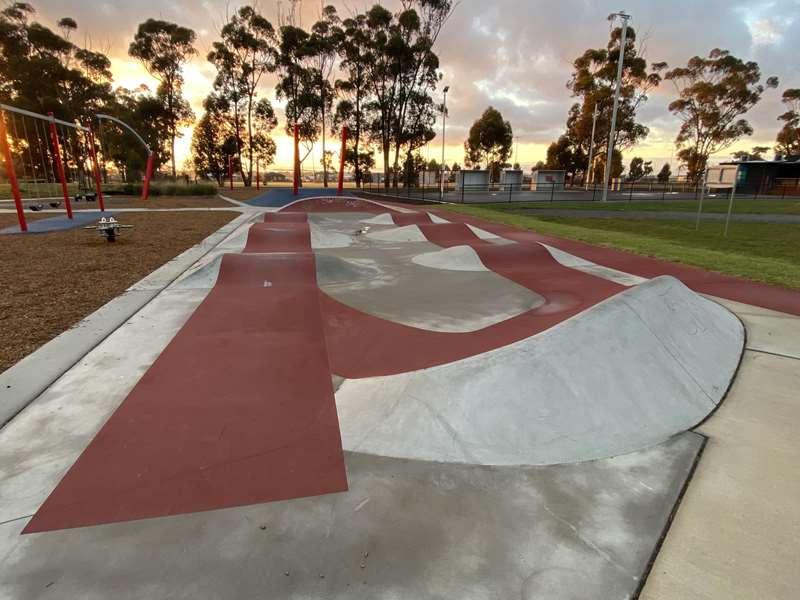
[(22, 383), (238, 203)]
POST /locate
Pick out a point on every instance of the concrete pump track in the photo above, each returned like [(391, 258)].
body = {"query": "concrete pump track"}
[(353, 399)]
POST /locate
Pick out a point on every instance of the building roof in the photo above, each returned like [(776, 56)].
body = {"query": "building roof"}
[(789, 160)]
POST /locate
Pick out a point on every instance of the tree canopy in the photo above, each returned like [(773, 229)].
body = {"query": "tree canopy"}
[(788, 140), (163, 48), (714, 93), (489, 142), (593, 82)]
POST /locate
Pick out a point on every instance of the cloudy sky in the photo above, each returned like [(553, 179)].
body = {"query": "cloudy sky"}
[(513, 54)]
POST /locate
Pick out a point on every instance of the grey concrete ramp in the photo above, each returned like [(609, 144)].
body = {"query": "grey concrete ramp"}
[(455, 258), (627, 374), (405, 529)]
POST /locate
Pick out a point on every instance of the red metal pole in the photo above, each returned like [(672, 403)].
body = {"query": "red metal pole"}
[(59, 164), (258, 177), (148, 175), (96, 170), (230, 170), (296, 160), (341, 161), (12, 175)]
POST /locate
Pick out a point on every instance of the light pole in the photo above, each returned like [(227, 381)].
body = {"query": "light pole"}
[(591, 148), (624, 19), (444, 130)]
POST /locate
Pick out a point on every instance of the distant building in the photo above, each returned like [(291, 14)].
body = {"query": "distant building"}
[(546, 180), (511, 179), (428, 177), (768, 176), (476, 180)]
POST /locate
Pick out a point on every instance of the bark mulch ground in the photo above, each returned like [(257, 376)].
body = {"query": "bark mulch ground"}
[(242, 193), (112, 202), (49, 282)]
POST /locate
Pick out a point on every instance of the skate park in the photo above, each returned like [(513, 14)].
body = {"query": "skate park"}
[(363, 394), (415, 300)]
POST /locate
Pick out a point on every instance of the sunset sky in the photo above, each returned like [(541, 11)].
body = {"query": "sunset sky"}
[(515, 55)]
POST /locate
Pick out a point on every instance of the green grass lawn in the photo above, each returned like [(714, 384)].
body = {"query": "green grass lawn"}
[(759, 251), (710, 205)]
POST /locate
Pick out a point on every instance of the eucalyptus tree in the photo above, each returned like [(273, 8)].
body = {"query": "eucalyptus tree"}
[(417, 28), (354, 89), (298, 86), (44, 71), (593, 82), (321, 49), (714, 93), (245, 54), (164, 48), (489, 142), (788, 140)]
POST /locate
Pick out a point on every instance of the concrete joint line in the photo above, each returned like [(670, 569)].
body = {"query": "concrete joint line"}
[(778, 354)]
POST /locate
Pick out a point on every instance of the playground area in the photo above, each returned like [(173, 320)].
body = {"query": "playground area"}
[(53, 280), (349, 398)]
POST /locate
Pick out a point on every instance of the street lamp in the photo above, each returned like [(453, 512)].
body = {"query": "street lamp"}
[(444, 129), (624, 18)]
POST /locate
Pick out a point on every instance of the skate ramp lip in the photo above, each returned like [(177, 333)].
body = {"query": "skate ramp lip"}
[(406, 233), (455, 258), (625, 375)]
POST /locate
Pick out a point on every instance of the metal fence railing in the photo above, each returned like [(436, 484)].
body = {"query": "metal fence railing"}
[(620, 191)]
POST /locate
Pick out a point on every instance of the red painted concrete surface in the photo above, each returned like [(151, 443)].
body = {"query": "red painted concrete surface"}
[(401, 219), (238, 409), (285, 217), (361, 345), (278, 237), (705, 282), (333, 204)]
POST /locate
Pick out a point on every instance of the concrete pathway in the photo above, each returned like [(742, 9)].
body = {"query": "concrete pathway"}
[(656, 215), (735, 535)]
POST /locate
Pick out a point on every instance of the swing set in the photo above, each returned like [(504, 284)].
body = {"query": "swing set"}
[(48, 159)]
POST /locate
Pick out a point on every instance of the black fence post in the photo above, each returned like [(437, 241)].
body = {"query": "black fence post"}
[(594, 190), (552, 190), (630, 194)]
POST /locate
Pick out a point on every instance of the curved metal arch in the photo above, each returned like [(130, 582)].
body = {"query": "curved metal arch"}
[(123, 124)]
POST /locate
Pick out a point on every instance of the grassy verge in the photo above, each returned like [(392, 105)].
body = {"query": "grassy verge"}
[(712, 205), (764, 252), (50, 281)]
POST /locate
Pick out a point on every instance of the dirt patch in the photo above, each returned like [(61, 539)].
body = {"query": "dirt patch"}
[(49, 282), (112, 202)]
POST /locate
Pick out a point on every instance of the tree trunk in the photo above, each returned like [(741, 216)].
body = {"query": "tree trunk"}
[(386, 151), (324, 157), (174, 171), (249, 180), (357, 139)]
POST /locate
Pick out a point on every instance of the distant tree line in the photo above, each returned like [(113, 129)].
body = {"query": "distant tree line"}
[(713, 95), (373, 73)]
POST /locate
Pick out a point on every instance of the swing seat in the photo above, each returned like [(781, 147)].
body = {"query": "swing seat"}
[(55, 204)]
